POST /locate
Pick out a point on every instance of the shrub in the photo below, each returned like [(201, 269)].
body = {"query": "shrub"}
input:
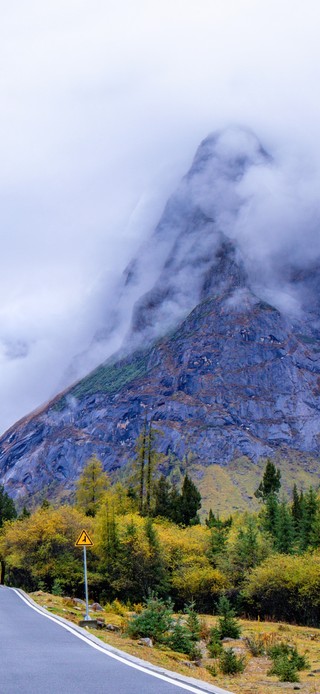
[(180, 639), (286, 662), (154, 621), (256, 645), (300, 661), (285, 588), (137, 607), (215, 648), (204, 630), (285, 669), (212, 670), (57, 588), (229, 663), (183, 637), (42, 586), (119, 608), (278, 649), (193, 622), (195, 653), (116, 607), (227, 624), (214, 645), (285, 650)]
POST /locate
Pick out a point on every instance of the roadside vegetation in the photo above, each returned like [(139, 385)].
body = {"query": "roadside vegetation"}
[(152, 556), (148, 538), (242, 665)]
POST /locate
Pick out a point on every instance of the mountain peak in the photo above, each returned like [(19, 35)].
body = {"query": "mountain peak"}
[(231, 151), (192, 239), (223, 373)]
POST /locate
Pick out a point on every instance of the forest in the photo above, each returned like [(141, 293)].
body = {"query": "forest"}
[(148, 539)]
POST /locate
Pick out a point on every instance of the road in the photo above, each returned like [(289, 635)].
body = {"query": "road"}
[(40, 655)]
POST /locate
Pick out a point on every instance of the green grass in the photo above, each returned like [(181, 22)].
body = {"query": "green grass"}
[(110, 378)]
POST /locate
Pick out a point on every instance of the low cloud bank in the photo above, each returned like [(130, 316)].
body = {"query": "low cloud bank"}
[(102, 109)]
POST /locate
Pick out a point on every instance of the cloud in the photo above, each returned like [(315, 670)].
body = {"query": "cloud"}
[(102, 108)]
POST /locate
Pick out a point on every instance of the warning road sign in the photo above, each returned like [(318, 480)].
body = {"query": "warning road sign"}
[(84, 540)]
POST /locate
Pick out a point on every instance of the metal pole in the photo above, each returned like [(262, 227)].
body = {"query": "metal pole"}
[(86, 582)]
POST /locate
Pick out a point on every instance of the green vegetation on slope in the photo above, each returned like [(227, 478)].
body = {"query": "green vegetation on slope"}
[(109, 378), (258, 649)]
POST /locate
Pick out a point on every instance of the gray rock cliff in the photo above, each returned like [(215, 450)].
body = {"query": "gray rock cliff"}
[(222, 372)]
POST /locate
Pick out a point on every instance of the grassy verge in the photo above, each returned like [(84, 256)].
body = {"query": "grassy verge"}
[(255, 678)]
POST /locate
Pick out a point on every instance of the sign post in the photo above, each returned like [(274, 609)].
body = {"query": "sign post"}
[(85, 541)]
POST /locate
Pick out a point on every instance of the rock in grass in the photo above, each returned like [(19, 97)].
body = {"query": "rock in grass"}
[(145, 642)]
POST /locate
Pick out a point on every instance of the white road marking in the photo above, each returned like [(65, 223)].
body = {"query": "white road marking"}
[(136, 666)]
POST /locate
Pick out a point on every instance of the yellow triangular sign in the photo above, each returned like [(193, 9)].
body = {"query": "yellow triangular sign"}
[(84, 540)]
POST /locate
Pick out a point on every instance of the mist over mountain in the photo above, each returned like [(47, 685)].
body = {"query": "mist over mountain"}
[(102, 108), (234, 193), (215, 334)]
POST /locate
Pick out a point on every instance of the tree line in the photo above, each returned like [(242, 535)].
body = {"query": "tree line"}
[(148, 537)]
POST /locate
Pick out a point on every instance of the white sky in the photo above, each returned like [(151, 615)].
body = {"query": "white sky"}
[(102, 107)]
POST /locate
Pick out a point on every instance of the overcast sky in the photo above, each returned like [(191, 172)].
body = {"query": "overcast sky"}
[(102, 107)]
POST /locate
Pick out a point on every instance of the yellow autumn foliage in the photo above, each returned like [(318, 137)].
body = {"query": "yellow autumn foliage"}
[(198, 582), (123, 522), (286, 587), (38, 544), (185, 551), (183, 544)]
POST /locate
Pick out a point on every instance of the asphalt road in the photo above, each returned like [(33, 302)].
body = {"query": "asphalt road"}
[(39, 655)]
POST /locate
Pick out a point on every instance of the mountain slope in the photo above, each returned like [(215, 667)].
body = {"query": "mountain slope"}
[(231, 381), (223, 374)]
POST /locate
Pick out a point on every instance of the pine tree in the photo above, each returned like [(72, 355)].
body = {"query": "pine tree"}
[(218, 543), (183, 508), (247, 548), (24, 513), (284, 529), (271, 482), (133, 581), (141, 446), (147, 459), (218, 537), (270, 515), (215, 521), (155, 573), (193, 622), (315, 531), (210, 521), (296, 510), (152, 459), (162, 498), (175, 505), (309, 513), (112, 538), (90, 487), (228, 627), (7, 507), (190, 502)]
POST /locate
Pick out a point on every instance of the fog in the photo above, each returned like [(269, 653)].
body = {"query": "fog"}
[(102, 109)]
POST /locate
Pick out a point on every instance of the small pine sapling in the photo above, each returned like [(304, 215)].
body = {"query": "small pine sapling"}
[(227, 624)]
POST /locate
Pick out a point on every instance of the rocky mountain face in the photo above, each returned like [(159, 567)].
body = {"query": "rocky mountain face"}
[(221, 372)]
